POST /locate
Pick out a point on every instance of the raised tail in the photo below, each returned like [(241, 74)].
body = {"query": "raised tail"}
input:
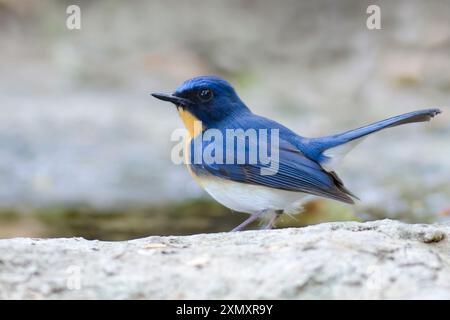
[(328, 150)]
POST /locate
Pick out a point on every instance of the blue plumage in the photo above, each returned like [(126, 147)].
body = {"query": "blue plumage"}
[(317, 146), (295, 171)]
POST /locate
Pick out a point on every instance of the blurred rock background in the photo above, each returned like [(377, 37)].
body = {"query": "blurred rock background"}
[(85, 151)]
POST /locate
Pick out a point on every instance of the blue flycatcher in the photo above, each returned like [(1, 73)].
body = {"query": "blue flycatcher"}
[(303, 166)]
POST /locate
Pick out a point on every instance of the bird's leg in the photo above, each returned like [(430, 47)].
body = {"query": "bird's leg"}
[(272, 220), (249, 220)]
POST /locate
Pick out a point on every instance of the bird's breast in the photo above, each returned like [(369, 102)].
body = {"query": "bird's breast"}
[(248, 198), (194, 128)]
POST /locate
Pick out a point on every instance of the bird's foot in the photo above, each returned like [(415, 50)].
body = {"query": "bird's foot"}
[(249, 220)]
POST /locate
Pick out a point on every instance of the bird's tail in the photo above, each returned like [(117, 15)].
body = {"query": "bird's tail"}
[(330, 149)]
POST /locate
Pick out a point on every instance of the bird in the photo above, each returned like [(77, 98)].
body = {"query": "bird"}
[(305, 166)]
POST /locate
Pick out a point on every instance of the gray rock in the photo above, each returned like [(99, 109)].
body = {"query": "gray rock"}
[(374, 260)]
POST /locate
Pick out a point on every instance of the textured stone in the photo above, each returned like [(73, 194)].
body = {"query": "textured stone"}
[(374, 260)]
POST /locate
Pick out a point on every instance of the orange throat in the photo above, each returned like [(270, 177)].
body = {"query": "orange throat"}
[(192, 124)]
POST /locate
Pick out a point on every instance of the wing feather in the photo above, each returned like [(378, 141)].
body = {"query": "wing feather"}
[(293, 171)]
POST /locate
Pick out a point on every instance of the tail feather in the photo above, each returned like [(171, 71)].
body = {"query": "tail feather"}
[(336, 146), (411, 117)]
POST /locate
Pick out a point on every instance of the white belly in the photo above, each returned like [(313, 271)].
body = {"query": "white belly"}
[(251, 198)]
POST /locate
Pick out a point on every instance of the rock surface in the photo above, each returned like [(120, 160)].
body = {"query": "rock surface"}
[(374, 260)]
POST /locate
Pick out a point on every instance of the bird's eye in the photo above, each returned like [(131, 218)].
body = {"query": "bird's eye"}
[(205, 95)]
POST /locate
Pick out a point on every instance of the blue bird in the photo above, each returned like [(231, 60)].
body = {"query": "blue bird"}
[(303, 166)]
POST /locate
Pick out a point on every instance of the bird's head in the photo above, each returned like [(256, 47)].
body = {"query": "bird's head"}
[(208, 99)]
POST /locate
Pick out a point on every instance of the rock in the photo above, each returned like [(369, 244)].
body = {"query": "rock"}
[(347, 260)]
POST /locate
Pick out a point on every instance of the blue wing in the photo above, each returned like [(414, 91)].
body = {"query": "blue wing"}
[(292, 171)]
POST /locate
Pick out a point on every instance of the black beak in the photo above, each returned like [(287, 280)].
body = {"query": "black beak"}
[(178, 101)]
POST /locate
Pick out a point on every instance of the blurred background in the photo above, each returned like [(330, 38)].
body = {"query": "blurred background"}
[(85, 151)]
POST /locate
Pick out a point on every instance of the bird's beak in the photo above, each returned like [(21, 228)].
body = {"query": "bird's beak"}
[(178, 101)]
